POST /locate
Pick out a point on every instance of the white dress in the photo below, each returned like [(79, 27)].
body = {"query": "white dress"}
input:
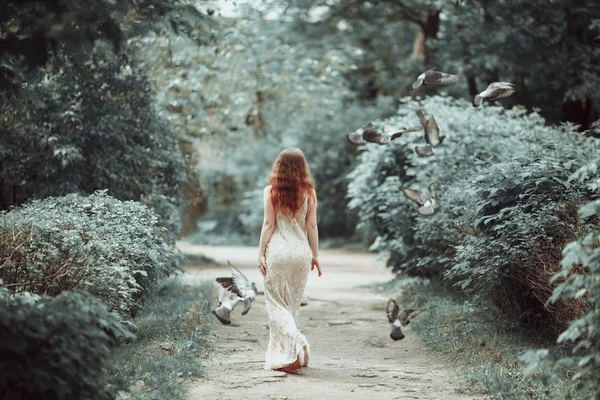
[(288, 265)]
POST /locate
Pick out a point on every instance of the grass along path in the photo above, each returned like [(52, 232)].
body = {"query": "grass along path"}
[(352, 354), (171, 343)]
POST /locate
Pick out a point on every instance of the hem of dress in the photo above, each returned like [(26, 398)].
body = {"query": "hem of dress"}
[(305, 347)]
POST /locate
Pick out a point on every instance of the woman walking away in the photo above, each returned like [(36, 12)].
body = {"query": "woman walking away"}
[(288, 251)]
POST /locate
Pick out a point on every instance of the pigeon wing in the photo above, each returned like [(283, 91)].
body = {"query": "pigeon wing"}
[(241, 285), (414, 195), (226, 283), (355, 138), (413, 129), (424, 151), (448, 79), (432, 132), (432, 191), (392, 310), (501, 94)]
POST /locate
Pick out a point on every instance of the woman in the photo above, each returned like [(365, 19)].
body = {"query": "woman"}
[(288, 251)]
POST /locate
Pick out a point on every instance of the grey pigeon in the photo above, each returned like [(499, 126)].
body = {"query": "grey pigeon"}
[(432, 135), (356, 137), (495, 91), (368, 134), (240, 285), (434, 77), (425, 200), (398, 318)]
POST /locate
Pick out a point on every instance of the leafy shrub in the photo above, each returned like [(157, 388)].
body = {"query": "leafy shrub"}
[(97, 129), (474, 138), (579, 280), (526, 213), (506, 206), (112, 249), (55, 348)]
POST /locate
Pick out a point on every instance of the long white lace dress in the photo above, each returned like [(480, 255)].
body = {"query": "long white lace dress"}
[(288, 257)]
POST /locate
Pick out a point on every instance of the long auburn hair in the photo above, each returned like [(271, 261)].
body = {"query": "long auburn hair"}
[(290, 181)]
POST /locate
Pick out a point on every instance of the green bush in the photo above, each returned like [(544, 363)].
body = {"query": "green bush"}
[(98, 129), (112, 249), (578, 280), (475, 138), (505, 208), (55, 348), (526, 212)]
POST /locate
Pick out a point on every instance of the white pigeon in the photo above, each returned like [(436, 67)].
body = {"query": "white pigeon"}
[(227, 302), (240, 285), (397, 318), (495, 91), (425, 200), (434, 77)]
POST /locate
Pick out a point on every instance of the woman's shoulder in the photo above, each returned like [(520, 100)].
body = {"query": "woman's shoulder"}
[(267, 190)]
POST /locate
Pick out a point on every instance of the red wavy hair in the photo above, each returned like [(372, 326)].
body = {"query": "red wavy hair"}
[(290, 181)]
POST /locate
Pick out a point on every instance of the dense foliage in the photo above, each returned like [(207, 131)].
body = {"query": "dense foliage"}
[(55, 348), (36, 33), (506, 205), (98, 129), (114, 250), (579, 278)]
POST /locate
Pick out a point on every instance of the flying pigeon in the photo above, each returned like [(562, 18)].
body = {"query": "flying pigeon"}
[(356, 137), (596, 40), (434, 77), (432, 135), (369, 134), (425, 200), (398, 318), (241, 286), (227, 302), (495, 91)]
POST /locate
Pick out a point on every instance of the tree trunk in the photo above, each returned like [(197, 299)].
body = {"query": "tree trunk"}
[(472, 86), (418, 51)]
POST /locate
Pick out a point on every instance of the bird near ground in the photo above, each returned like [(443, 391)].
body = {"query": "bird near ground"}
[(432, 135), (397, 318), (425, 200), (434, 77), (495, 91), (227, 301), (239, 285), (369, 134)]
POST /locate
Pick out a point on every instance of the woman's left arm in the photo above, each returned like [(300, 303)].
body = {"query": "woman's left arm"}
[(267, 230)]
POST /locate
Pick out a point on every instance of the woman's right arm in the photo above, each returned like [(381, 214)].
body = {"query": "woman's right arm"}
[(312, 231), (266, 231)]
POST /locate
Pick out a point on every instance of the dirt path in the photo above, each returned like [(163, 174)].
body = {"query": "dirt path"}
[(352, 356)]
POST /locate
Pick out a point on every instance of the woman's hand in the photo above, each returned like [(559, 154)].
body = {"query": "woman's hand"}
[(315, 263), (262, 265)]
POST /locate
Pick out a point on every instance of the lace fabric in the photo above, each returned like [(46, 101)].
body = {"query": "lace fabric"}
[(288, 258)]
